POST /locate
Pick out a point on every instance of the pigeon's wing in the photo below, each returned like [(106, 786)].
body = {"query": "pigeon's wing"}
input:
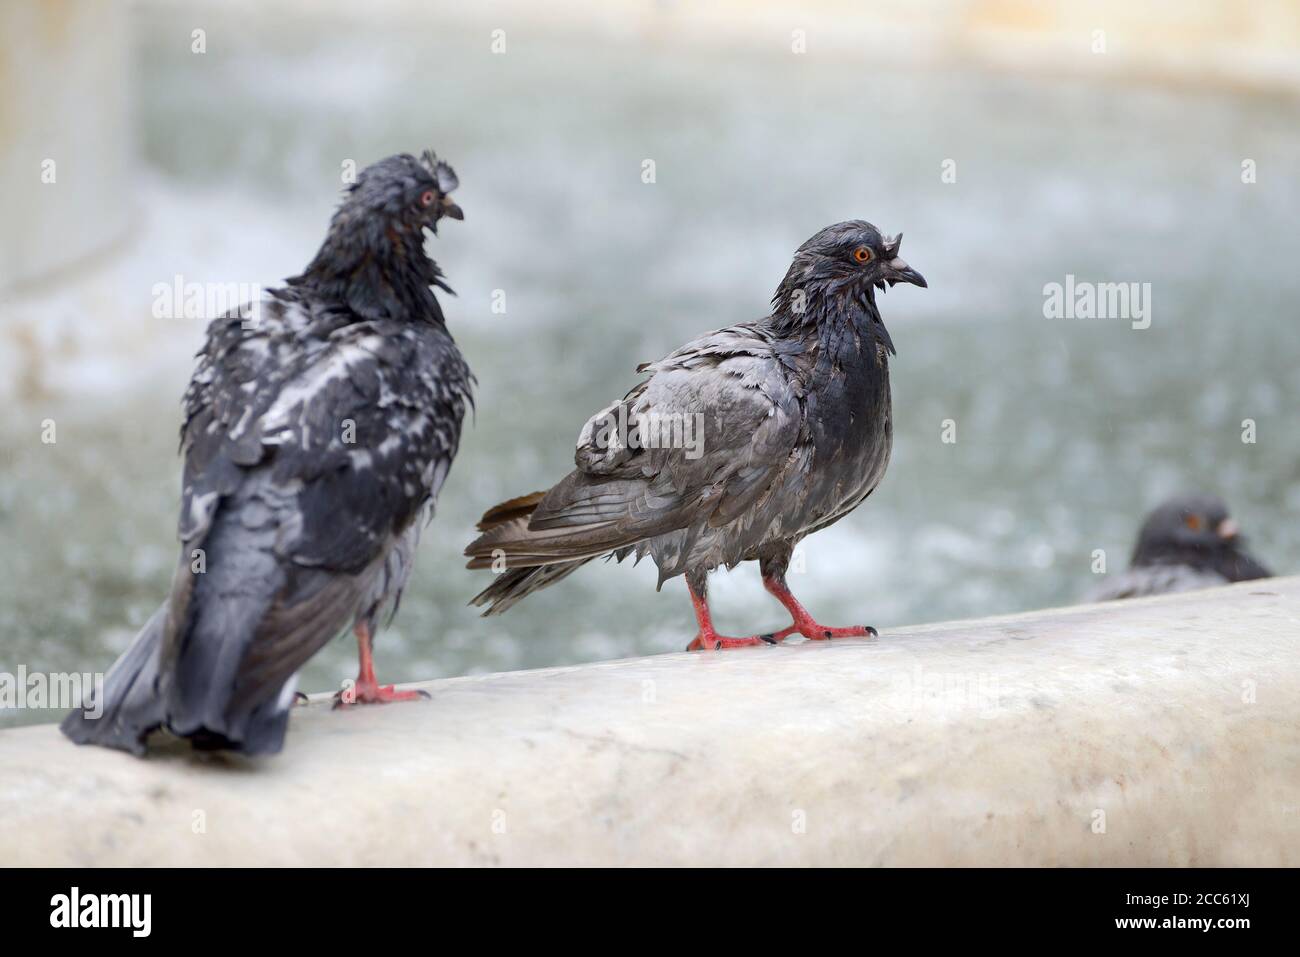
[(305, 460), (363, 423), (1155, 580), (706, 435)]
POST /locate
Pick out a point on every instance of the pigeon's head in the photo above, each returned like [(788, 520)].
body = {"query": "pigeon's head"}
[(1196, 530), (405, 192), (851, 259), (373, 257)]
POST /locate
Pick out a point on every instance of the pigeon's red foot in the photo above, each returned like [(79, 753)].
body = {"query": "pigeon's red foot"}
[(712, 641), (371, 693), (706, 639), (804, 623), (366, 690), (818, 632)]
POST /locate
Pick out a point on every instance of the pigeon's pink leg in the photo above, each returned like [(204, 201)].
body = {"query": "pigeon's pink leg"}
[(367, 689), (804, 623), (708, 639)]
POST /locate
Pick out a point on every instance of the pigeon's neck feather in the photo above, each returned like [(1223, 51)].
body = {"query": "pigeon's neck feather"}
[(830, 320), (378, 270)]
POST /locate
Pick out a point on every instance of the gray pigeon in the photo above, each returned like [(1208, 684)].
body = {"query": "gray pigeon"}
[(738, 445), (1187, 543), (315, 436)]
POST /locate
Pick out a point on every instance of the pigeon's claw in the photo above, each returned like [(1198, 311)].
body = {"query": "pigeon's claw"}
[(716, 642), (371, 693), (706, 639), (804, 623), (366, 690), (814, 631)]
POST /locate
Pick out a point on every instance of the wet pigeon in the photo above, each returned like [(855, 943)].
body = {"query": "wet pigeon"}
[(1185, 544), (738, 445), (316, 435)]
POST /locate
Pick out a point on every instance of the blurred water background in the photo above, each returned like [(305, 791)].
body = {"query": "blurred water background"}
[(1067, 430)]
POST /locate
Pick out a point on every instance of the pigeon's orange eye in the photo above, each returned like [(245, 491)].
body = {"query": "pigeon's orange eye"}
[(862, 254), (427, 198), (1193, 522)]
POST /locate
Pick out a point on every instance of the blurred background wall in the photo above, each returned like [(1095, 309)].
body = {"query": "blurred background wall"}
[(64, 123), (70, 58)]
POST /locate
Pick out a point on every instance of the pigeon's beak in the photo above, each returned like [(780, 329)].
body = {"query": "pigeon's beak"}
[(451, 209), (900, 271), (896, 270), (1227, 529)]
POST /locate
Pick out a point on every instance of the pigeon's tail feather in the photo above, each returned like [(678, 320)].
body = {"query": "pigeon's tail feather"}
[(231, 680), (131, 705), (508, 523), (517, 583), (216, 664), (508, 511), (128, 707), (263, 733)]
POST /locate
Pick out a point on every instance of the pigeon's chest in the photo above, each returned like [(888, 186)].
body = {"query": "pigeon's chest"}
[(849, 416)]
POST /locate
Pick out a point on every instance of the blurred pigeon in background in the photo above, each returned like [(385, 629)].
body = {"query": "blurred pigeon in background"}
[(1187, 543), (316, 434), (794, 431)]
